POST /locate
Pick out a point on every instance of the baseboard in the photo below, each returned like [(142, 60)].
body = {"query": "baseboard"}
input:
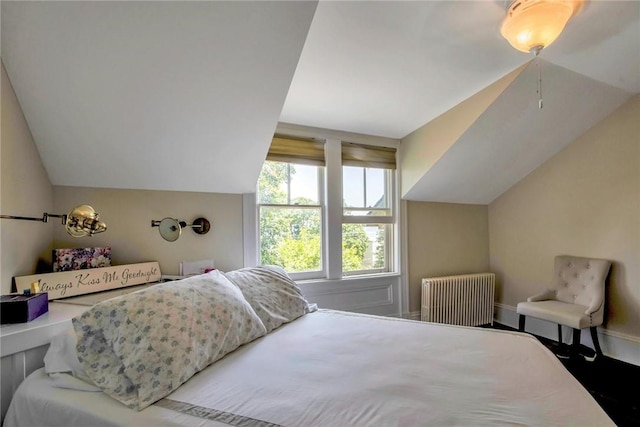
[(614, 344), (414, 315)]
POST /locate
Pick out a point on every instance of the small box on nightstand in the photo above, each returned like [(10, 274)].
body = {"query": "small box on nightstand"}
[(20, 308)]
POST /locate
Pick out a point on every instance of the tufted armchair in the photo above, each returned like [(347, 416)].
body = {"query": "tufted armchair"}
[(575, 298)]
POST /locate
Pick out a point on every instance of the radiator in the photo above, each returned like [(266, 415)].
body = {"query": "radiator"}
[(465, 299)]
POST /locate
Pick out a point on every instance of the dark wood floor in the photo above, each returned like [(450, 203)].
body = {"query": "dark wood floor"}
[(614, 384)]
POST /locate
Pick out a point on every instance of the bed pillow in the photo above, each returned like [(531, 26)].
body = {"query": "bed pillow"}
[(62, 365), (141, 346), (275, 298)]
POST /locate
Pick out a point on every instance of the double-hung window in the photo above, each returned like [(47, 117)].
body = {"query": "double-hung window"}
[(290, 207), (315, 230), (368, 211)]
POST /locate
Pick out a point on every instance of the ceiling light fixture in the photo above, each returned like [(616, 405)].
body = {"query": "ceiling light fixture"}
[(532, 25)]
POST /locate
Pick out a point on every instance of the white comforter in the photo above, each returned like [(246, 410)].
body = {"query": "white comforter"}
[(341, 369)]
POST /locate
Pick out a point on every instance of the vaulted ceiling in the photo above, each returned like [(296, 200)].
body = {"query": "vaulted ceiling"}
[(186, 95)]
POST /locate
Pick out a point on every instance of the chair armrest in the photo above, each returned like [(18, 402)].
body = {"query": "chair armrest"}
[(595, 305), (546, 295)]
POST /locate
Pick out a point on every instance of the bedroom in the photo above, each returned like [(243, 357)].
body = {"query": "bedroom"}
[(584, 200)]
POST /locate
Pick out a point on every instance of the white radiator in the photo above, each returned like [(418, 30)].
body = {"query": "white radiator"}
[(465, 299)]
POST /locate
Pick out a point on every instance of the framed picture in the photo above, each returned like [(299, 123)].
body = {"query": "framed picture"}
[(81, 258)]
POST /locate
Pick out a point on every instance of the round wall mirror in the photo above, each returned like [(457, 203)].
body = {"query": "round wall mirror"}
[(170, 229)]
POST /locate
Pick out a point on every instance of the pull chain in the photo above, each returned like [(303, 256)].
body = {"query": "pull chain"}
[(536, 51), (539, 85)]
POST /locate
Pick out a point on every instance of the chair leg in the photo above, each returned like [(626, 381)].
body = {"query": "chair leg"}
[(575, 345), (521, 321), (596, 344), (563, 351), (560, 334)]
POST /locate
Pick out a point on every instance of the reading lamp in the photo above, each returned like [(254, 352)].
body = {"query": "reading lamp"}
[(81, 221)]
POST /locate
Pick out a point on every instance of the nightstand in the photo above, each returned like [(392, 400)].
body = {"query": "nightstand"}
[(23, 346)]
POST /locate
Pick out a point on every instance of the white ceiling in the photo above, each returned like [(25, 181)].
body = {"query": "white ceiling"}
[(153, 95), (513, 136), (387, 68), (186, 95)]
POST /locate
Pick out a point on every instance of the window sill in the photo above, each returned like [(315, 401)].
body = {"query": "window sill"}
[(347, 279)]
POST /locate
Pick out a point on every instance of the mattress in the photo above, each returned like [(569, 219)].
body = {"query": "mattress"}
[(332, 368)]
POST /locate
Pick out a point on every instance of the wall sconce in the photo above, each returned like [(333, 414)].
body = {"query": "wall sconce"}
[(170, 228), (81, 221)]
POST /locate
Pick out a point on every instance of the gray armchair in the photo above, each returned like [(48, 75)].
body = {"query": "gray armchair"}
[(576, 298)]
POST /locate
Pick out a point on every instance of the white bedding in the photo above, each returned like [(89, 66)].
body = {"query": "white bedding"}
[(334, 368)]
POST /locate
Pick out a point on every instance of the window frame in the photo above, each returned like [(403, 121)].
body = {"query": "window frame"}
[(332, 209), (301, 275), (388, 220)]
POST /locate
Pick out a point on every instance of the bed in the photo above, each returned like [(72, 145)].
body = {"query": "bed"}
[(294, 367)]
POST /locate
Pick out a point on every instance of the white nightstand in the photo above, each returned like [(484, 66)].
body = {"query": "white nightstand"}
[(23, 346)]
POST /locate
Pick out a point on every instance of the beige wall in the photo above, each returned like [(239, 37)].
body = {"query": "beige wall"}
[(25, 191), (128, 215), (444, 239), (584, 201)]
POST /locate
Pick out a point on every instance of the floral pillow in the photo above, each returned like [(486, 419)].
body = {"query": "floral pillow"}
[(275, 298), (141, 346)]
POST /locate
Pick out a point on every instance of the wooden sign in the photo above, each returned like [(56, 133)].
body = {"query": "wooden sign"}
[(79, 282)]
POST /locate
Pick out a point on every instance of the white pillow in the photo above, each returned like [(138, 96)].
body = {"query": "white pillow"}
[(62, 365), (275, 298), (141, 346)]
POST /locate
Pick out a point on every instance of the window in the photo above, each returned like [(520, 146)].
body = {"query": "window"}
[(365, 248), (367, 220), (290, 210), (293, 207), (365, 191)]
